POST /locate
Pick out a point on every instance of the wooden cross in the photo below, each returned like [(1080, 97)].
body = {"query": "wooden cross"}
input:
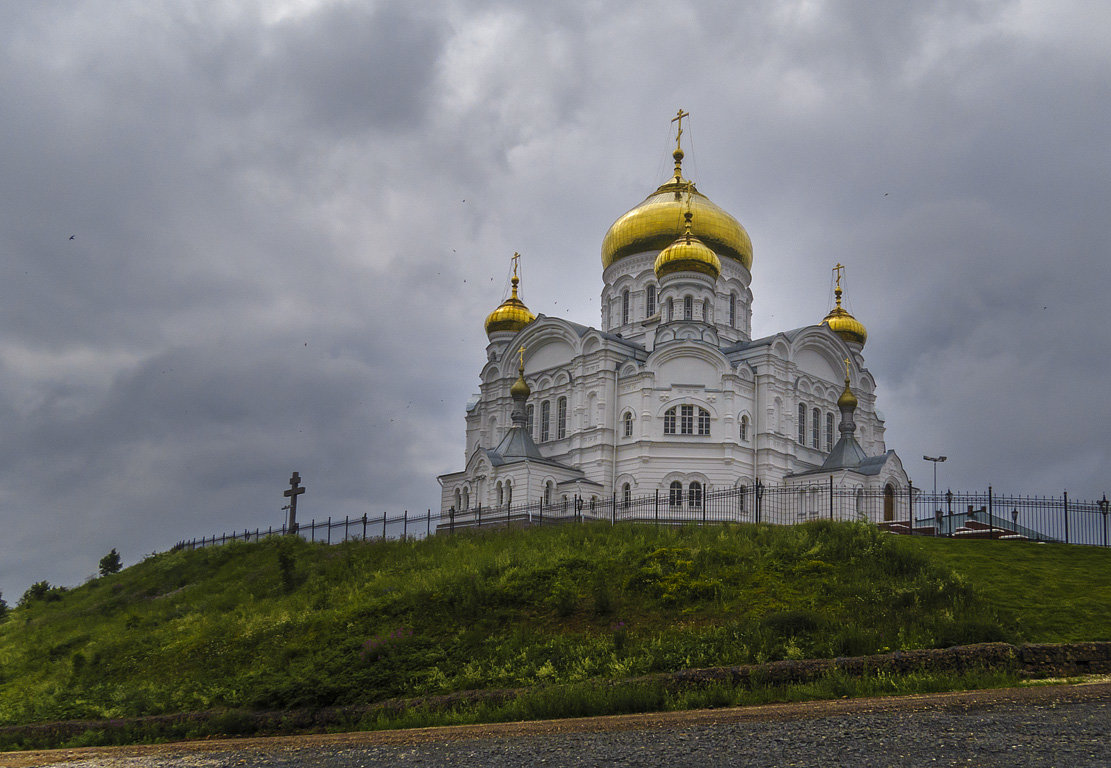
[(295, 489), (679, 118)]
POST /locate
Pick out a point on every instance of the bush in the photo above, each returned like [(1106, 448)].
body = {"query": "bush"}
[(40, 590), (3, 607), (110, 563)]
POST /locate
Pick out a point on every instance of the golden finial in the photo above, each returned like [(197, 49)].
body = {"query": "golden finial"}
[(678, 153), (837, 270), (521, 367), (846, 370), (514, 280)]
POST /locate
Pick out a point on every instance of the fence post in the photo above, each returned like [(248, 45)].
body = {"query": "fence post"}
[(428, 524), (613, 510), (451, 520), (346, 522), (949, 509), (384, 525), (831, 497), (1066, 517), (507, 514), (910, 506), (405, 526), (991, 522), (329, 529), (657, 507), (312, 531), (541, 511)]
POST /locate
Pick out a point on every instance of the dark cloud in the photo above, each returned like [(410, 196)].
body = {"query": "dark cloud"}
[(290, 219)]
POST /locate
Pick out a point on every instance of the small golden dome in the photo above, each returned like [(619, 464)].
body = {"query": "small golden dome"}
[(520, 389), (847, 399), (845, 325), (687, 254), (512, 315), (658, 221)]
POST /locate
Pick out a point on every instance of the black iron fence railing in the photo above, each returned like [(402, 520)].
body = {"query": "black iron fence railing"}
[(957, 515)]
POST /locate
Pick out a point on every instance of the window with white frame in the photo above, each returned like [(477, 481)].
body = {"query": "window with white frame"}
[(628, 422), (561, 418), (680, 419), (650, 301), (675, 494), (694, 495), (626, 494), (530, 419), (732, 310), (545, 418), (815, 428), (829, 432), (688, 308), (625, 307), (744, 429), (802, 423)]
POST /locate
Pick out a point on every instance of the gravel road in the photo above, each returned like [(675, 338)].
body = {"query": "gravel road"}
[(1061, 725)]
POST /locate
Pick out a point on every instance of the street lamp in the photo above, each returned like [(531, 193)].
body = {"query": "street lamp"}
[(936, 460)]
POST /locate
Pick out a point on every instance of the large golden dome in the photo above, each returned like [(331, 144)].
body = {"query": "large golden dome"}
[(687, 254), (511, 315), (658, 221)]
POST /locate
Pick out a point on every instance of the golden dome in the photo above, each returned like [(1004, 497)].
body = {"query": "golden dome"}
[(658, 221), (843, 324), (512, 315), (847, 399), (687, 254)]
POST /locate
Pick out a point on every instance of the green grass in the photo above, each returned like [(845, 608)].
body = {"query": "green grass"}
[(283, 624)]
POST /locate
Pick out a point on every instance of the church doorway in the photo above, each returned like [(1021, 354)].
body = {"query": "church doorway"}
[(888, 502)]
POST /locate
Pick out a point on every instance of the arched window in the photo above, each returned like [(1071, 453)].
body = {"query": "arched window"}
[(548, 492), (802, 423), (829, 432), (744, 429), (650, 299), (563, 503), (626, 494), (628, 420), (675, 494), (625, 307), (732, 310), (530, 418), (501, 494), (688, 308), (686, 422), (742, 491), (707, 313), (466, 498), (458, 500), (561, 418), (859, 501), (694, 495), (508, 492), (545, 417), (815, 428)]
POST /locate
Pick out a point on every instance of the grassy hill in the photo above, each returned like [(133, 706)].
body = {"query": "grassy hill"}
[(285, 624)]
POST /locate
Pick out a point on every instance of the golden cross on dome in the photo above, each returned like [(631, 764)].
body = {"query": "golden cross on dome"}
[(846, 369), (837, 271), (522, 351), (516, 258), (679, 118)]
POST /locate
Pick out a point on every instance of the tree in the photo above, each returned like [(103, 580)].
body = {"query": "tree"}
[(40, 590), (110, 563), (3, 607)]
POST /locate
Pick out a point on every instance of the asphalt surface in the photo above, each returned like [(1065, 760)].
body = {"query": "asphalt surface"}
[(1062, 725)]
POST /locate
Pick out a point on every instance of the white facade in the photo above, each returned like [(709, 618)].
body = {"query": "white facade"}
[(670, 388)]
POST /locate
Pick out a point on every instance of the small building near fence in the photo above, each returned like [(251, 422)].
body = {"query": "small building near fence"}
[(670, 395)]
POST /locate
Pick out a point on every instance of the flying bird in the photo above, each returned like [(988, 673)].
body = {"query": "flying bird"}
[(71, 237)]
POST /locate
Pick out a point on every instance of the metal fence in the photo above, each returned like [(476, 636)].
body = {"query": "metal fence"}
[(914, 512)]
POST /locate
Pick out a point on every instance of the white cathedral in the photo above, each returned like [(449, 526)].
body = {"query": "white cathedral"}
[(671, 396)]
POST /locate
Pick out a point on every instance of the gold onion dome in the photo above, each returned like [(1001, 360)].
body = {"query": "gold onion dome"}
[(520, 389), (658, 221), (687, 254), (843, 324), (847, 399), (512, 315)]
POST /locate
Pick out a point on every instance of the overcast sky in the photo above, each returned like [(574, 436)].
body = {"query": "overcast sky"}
[(245, 238)]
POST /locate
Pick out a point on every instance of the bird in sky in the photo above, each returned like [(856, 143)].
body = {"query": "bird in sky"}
[(71, 237)]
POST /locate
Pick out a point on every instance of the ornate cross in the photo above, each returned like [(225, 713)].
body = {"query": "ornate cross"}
[(837, 270), (846, 369), (295, 489), (679, 119), (516, 259), (522, 351)]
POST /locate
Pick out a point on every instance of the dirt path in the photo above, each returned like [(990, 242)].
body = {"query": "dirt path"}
[(1055, 725)]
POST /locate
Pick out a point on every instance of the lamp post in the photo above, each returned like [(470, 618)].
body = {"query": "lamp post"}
[(1103, 503), (936, 460)]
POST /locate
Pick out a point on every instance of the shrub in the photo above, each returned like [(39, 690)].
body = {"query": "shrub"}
[(40, 590)]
